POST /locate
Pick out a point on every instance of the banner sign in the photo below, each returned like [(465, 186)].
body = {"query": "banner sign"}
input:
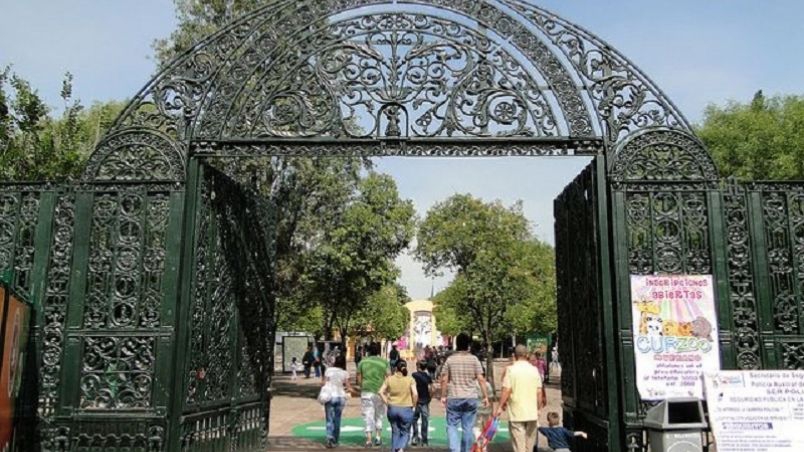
[(675, 334), (760, 411), (14, 340)]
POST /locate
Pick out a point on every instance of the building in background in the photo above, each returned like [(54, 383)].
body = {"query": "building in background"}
[(422, 330)]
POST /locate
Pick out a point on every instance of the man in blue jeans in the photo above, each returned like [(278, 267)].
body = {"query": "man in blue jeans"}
[(459, 379)]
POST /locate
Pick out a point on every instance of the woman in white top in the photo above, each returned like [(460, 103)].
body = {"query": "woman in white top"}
[(338, 380)]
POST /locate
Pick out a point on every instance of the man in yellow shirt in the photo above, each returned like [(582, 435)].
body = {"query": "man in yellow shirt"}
[(524, 394)]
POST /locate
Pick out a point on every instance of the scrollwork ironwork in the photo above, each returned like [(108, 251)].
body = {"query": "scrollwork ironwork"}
[(793, 355), (126, 260), (383, 69), (662, 155), (668, 232), (117, 372), (785, 271), (741, 279), (55, 305)]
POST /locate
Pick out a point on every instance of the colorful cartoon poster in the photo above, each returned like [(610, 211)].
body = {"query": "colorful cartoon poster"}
[(756, 410), (15, 328), (675, 334)]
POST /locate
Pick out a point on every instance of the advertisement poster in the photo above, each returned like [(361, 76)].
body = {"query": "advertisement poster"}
[(759, 411), (538, 343), (15, 330), (675, 334)]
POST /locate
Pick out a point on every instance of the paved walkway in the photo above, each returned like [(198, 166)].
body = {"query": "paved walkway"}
[(294, 408)]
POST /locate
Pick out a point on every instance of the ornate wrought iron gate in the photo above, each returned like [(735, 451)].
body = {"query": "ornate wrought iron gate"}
[(149, 277), (585, 310)]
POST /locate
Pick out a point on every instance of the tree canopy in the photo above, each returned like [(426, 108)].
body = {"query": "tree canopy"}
[(760, 140), (36, 146), (505, 277)]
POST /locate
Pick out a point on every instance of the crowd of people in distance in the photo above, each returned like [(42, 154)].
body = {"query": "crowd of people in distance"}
[(389, 390)]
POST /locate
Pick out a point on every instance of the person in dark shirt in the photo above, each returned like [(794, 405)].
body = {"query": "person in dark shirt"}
[(558, 437), (393, 357), (307, 361), (424, 384)]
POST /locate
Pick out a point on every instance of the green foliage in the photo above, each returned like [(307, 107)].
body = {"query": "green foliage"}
[(353, 255), (759, 140), (384, 315), (505, 278), (198, 19), (455, 230), (36, 146)]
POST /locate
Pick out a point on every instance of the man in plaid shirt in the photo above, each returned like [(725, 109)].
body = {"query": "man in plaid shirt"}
[(459, 379)]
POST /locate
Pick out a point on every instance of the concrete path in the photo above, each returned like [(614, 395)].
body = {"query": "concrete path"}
[(294, 404)]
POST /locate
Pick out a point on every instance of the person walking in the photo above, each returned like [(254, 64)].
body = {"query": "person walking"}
[(294, 369), (371, 373), (307, 361), (460, 376), (337, 378), (539, 363), (317, 365), (424, 386), (393, 356), (523, 394), (399, 393)]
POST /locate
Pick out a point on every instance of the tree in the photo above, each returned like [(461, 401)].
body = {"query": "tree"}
[(505, 278), (760, 140), (353, 257), (384, 315), (36, 146), (198, 19)]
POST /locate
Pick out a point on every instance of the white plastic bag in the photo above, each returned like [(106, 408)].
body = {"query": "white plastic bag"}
[(325, 394)]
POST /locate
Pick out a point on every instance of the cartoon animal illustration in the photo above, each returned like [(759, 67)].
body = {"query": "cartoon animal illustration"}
[(701, 328), (650, 322), (684, 329), (670, 328)]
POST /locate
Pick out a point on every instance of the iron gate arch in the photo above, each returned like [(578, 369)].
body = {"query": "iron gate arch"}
[(142, 285)]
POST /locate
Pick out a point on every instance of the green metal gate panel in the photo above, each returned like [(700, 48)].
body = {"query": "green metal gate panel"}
[(749, 236), (585, 315), (100, 264), (223, 395)]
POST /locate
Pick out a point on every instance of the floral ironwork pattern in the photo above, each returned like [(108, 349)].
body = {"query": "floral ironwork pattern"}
[(668, 232), (389, 70), (117, 372), (209, 373), (55, 304), (783, 214), (392, 75), (19, 214), (135, 155), (626, 100), (435, 148), (793, 355), (662, 155), (127, 260), (741, 279)]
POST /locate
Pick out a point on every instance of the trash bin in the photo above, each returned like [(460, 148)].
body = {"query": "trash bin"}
[(676, 425)]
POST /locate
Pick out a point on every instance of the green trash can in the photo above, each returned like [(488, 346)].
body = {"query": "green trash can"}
[(676, 425)]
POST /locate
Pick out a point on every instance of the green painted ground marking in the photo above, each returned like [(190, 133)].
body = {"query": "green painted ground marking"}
[(352, 431)]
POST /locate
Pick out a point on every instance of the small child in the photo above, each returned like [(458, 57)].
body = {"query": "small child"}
[(558, 437), (294, 368), (484, 414)]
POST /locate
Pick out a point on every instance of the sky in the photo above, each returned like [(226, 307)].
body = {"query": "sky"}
[(698, 51)]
